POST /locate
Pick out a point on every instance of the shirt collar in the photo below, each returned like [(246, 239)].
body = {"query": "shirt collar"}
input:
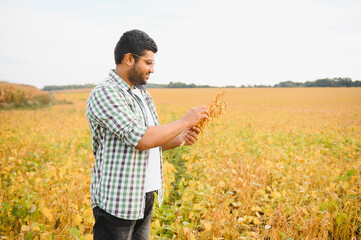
[(141, 87), (118, 80)]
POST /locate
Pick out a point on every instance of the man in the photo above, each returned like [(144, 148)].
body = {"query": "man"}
[(128, 140)]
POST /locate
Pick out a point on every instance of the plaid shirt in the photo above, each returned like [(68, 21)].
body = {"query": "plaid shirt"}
[(117, 123)]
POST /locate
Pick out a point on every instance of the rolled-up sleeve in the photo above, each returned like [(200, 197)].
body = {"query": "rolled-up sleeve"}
[(110, 110)]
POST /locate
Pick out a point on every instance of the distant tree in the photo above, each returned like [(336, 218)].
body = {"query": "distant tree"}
[(176, 85), (289, 84), (327, 82), (204, 86), (343, 82), (320, 83), (184, 85), (357, 84), (262, 86), (155, 85), (63, 87)]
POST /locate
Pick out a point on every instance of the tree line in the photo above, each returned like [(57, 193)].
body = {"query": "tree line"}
[(66, 87), (149, 85), (176, 85), (325, 82)]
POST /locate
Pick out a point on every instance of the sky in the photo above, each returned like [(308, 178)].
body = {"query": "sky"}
[(218, 43)]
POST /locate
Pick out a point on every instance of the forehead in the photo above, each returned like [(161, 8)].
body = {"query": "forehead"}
[(148, 55)]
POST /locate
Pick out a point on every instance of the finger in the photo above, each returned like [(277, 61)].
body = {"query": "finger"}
[(196, 130), (190, 139), (205, 110), (189, 142), (193, 134), (205, 116), (202, 108), (185, 133)]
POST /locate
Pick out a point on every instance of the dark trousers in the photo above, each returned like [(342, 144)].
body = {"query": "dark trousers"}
[(109, 227)]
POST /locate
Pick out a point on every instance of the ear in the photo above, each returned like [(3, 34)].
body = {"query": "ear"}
[(129, 59)]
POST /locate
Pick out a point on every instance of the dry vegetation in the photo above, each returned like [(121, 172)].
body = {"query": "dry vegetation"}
[(216, 108), (278, 164), (20, 95)]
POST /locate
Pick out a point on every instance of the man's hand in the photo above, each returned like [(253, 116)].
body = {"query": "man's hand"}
[(194, 115), (166, 135), (190, 136)]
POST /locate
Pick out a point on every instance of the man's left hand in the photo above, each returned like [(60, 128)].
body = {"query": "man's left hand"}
[(190, 136)]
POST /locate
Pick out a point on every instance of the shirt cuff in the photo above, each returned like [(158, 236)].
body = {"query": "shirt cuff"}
[(133, 134)]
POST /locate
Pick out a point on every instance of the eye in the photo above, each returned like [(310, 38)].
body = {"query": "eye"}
[(149, 62)]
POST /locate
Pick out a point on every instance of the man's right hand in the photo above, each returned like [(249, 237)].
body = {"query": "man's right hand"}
[(195, 114)]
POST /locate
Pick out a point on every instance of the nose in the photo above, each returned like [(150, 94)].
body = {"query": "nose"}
[(151, 68)]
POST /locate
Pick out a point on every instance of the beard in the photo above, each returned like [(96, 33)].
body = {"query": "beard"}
[(136, 76)]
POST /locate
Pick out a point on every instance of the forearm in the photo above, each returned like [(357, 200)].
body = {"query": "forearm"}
[(173, 143), (156, 136)]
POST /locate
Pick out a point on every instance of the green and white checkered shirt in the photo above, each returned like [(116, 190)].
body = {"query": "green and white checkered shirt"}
[(117, 123)]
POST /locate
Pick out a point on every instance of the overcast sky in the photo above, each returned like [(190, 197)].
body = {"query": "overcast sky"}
[(218, 43)]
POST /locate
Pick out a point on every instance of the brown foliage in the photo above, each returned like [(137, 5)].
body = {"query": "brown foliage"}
[(216, 108), (20, 95)]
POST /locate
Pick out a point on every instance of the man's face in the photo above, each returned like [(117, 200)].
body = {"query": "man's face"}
[(141, 70)]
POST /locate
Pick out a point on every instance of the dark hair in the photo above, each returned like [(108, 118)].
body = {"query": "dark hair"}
[(134, 41)]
